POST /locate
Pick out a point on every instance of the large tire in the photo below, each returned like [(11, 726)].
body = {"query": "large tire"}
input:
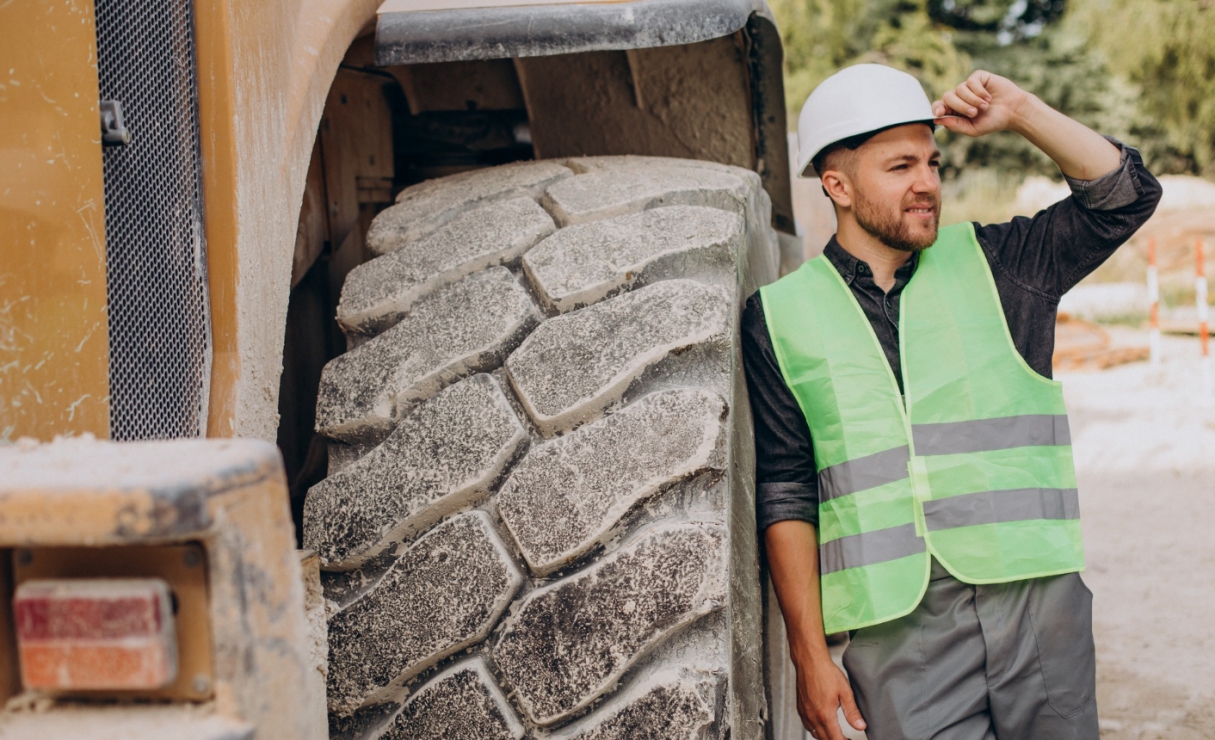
[(539, 515)]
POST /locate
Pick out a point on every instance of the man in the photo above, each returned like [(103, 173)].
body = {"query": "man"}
[(915, 478)]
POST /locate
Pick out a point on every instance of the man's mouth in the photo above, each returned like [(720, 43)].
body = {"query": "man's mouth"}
[(922, 211)]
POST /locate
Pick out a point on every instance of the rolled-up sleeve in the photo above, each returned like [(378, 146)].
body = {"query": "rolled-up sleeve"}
[(1049, 253), (1117, 189), (786, 476)]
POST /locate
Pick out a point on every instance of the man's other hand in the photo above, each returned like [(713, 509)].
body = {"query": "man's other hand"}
[(984, 104), (822, 689)]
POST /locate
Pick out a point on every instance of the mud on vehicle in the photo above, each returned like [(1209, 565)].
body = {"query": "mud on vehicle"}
[(538, 462)]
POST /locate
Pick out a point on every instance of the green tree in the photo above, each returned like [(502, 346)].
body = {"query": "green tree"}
[(1167, 49), (822, 36), (942, 41), (1009, 19), (1056, 64)]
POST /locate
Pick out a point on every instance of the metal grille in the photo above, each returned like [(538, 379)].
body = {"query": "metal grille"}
[(155, 248)]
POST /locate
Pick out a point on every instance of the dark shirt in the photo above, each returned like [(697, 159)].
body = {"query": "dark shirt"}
[(1034, 261)]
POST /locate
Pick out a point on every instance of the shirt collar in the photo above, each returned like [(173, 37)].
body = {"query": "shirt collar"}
[(850, 268)]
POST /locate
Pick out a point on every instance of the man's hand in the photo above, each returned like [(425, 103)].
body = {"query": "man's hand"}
[(984, 104), (822, 689)]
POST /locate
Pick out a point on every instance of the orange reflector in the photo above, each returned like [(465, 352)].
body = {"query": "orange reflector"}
[(95, 634)]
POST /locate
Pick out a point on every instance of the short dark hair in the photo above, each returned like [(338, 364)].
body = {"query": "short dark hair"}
[(852, 143)]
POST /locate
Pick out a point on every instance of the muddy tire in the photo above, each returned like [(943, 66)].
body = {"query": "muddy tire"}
[(539, 518)]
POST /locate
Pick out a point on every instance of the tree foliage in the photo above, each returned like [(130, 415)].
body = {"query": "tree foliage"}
[(1166, 48), (1140, 70), (821, 36), (1011, 19)]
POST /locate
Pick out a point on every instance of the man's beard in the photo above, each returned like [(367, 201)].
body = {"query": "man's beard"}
[(890, 228)]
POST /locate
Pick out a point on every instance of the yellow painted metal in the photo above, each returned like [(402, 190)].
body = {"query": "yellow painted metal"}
[(53, 330), (406, 6), (260, 101), (89, 508), (217, 121)]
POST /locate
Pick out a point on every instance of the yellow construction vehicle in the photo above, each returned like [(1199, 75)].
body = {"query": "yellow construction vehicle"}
[(476, 266)]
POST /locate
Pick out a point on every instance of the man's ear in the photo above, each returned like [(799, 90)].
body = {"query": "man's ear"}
[(837, 187)]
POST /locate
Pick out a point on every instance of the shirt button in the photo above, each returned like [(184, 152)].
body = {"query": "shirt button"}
[(861, 269)]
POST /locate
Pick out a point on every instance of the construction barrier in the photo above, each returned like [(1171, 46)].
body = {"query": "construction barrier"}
[(1153, 288), (1204, 333)]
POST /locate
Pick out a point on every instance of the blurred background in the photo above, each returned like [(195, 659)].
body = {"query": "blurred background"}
[(1135, 69), (1142, 71), (1143, 430)]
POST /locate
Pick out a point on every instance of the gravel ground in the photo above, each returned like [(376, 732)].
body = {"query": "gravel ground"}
[(1145, 453)]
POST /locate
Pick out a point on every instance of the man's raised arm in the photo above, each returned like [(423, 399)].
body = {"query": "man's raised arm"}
[(987, 103)]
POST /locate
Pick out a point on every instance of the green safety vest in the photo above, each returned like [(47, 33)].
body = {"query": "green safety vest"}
[(973, 465)]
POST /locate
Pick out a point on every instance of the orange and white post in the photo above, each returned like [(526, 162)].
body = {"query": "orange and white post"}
[(1204, 331), (1153, 289)]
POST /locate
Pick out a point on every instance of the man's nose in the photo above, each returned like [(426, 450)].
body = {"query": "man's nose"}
[(927, 181)]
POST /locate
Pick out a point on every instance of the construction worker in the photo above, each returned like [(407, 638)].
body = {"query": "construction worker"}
[(915, 479)]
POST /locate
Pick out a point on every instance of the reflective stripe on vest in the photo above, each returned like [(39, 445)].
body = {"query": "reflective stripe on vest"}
[(863, 473), (870, 548), (991, 507), (991, 434), (973, 465)]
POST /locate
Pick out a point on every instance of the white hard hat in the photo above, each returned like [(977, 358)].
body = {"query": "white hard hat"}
[(857, 100)]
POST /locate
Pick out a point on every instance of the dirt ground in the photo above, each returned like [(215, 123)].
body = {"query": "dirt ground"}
[(1145, 453)]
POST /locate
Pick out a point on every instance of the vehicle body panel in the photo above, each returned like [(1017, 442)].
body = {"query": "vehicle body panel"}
[(211, 518), (411, 36), (53, 332), (260, 100)]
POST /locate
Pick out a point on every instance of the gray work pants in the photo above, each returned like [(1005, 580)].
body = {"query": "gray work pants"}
[(1012, 661)]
